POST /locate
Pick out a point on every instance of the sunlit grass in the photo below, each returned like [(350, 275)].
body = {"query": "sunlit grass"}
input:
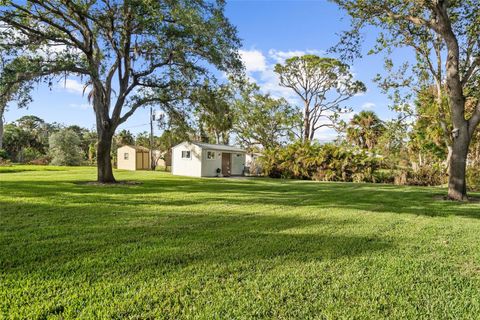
[(176, 247)]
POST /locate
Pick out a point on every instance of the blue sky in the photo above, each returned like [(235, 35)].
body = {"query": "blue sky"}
[(271, 30)]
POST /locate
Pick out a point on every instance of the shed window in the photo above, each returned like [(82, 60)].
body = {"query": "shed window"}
[(210, 155), (125, 156), (186, 154)]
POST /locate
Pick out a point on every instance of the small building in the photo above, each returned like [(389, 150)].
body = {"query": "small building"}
[(133, 158), (197, 159)]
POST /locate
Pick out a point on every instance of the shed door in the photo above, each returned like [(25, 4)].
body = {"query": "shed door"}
[(139, 162), (226, 164), (146, 160)]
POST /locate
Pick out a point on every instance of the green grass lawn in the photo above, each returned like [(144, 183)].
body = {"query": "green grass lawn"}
[(176, 247)]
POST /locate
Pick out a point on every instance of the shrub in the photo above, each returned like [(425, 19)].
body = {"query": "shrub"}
[(28, 154), (327, 162), (384, 176), (3, 154), (432, 175), (4, 161), (473, 178), (43, 161), (64, 148)]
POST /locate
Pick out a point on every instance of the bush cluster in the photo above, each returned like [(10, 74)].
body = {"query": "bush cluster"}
[(473, 178), (328, 162)]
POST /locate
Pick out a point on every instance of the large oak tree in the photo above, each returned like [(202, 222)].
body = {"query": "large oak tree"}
[(438, 28), (129, 53)]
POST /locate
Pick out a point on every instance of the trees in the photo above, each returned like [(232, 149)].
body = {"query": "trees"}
[(124, 137), (213, 110), (27, 138), (88, 140), (427, 142), (322, 84), (15, 140), (455, 26), (11, 89), (262, 121), (130, 53), (64, 148), (365, 129)]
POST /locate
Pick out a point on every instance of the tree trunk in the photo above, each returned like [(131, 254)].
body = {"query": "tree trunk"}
[(312, 134), (306, 122), (306, 129), (2, 111), (104, 159), (1, 130), (457, 186)]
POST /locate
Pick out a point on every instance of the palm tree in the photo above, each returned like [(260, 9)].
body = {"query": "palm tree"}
[(365, 129)]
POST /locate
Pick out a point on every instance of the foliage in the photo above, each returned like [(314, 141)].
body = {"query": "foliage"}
[(124, 138), (142, 139), (322, 84), (392, 144), (26, 139), (10, 90), (214, 114), (263, 122), (88, 141), (14, 140), (327, 162), (365, 129), (473, 178), (427, 140), (434, 30), (64, 148), (432, 174), (29, 154), (130, 54)]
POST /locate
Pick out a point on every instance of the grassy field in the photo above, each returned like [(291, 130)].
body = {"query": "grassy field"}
[(174, 247)]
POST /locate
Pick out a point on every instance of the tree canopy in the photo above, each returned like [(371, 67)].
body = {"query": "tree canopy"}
[(434, 29), (129, 54), (322, 84), (262, 121)]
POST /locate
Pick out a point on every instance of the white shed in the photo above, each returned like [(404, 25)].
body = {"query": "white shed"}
[(197, 159)]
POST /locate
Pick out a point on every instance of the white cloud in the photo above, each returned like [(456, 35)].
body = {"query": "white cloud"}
[(72, 85), (281, 56), (368, 106), (254, 60), (260, 67)]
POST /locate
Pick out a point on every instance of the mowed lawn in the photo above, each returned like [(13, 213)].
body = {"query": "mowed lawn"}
[(184, 248)]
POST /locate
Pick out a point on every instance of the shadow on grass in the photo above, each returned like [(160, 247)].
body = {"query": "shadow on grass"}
[(183, 192), (173, 241)]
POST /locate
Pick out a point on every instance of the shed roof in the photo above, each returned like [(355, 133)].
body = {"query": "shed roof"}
[(218, 147), (138, 148)]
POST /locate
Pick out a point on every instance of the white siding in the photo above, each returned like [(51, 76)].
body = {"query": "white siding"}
[(187, 167), (209, 166), (238, 163), (126, 164)]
